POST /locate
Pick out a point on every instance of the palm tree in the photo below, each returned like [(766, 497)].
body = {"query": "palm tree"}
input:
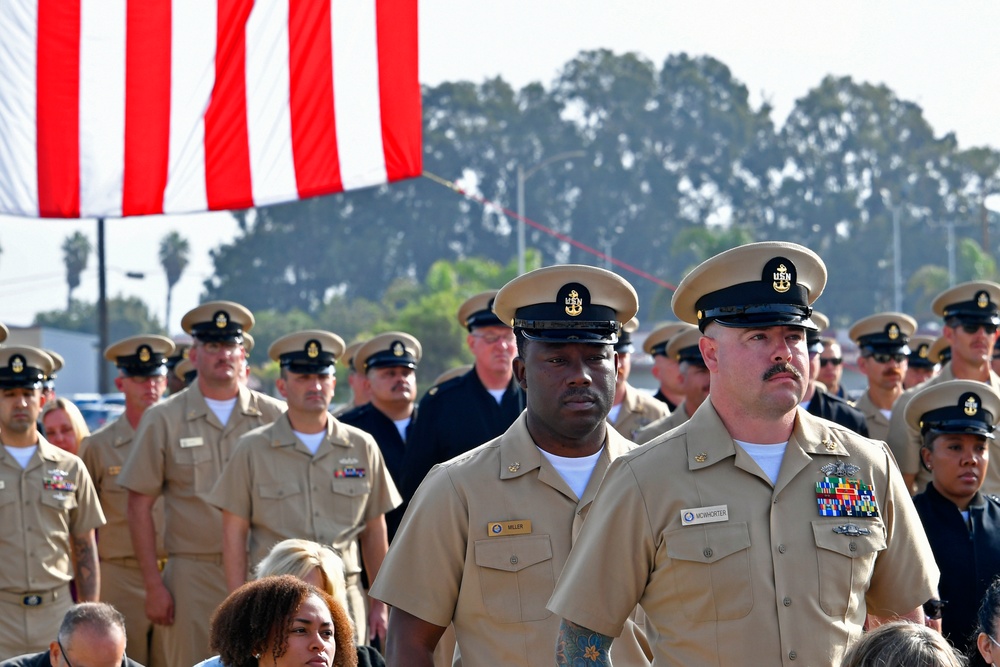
[(76, 253), (174, 251)]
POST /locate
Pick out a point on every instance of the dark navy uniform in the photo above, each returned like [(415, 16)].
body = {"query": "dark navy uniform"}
[(826, 405), (455, 417)]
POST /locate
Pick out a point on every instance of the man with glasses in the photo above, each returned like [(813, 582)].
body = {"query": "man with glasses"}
[(467, 411), (971, 315), (142, 366), (831, 366), (180, 447), (882, 341), (92, 634)]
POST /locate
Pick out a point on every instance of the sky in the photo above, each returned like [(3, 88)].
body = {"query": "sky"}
[(943, 56)]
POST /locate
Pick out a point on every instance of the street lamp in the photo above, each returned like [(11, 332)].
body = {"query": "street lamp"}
[(522, 176)]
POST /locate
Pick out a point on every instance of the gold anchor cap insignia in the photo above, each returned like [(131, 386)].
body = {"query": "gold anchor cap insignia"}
[(782, 279), (221, 319), (701, 458), (312, 349), (574, 304), (923, 350), (893, 331), (982, 299), (144, 354), (17, 363), (971, 406), (398, 349), (514, 467)]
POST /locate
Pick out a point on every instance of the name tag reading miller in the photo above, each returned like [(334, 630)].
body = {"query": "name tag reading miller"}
[(698, 515), (516, 527)]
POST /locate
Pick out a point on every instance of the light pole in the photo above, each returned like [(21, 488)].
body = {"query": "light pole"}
[(522, 176)]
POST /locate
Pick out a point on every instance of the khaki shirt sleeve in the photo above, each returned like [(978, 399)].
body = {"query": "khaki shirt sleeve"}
[(617, 517), (434, 530), (143, 471), (905, 574), (233, 490), (902, 440), (88, 514), (383, 496)]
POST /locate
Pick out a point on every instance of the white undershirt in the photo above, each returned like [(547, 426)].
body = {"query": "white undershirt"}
[(312, 441), (768, 457), (401, 425), (576, 470), (613, 413), (222, 409), (497, 394), (886, 413), (21, 454)]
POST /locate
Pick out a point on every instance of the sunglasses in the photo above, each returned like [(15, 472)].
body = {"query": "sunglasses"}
[(885, 357), (970, 329), (828, 362)]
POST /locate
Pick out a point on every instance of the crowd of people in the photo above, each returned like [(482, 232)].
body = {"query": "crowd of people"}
[(533, 509)]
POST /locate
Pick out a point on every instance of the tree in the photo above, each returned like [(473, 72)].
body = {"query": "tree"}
[(174, 251), (76, 253)]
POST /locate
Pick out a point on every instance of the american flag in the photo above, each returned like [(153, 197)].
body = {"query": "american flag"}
[(115, 108)]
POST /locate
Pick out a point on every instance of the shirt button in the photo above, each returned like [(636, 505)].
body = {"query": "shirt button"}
[(781, 548), (513, 560), (853, 546), (707, 552), (792, 655), (787, 602)]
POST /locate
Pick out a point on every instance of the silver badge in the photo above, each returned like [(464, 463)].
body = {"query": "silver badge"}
[(840, 469), (852, 530)]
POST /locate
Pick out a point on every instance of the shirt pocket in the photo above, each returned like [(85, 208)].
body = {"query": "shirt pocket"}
[(845, 564), (711, 571), (195, 468), (516, 577), (350, 497), (279, 505)]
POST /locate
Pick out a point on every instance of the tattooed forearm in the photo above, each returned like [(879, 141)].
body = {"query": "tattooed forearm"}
[(86, 572), (579, 646)]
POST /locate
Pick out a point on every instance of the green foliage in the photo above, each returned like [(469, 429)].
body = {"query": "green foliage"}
[(76, 253), (127, 316)]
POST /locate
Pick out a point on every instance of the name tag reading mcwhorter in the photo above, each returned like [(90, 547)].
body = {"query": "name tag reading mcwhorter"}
[(696, 515)]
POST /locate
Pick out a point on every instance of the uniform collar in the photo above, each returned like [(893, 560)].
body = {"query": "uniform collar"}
[(282, 434), (195, 405)]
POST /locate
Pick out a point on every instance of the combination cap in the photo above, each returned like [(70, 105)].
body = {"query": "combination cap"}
[(218, 321), (956, 406), (814, 339), (347, 358), (477, 311), (624, 344), (141, 356), (883, 333), (4, 332), (23, 366), (920, 352), (310, 352), (569, 303), (940, 351), (969, 303), (393, 348), (656, 342), (684, 346), (766, 284)]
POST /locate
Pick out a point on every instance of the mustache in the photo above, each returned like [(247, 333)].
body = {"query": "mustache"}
[(579, 393), (782, 368)]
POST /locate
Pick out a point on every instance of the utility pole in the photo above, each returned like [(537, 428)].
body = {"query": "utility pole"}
[(103, 381)]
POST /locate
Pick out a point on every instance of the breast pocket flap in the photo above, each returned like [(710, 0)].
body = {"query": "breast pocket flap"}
[(709, 543), (513, 554), (278, 491), (351, 487), (847, 544)]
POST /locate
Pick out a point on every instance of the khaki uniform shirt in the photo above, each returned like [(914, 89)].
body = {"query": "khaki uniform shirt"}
[(637, 410), (758, 576), (104, 452), (284, 491), (180, 450), (906, 442), (662, 425), (482, 544), (41, 506), (877, 422)]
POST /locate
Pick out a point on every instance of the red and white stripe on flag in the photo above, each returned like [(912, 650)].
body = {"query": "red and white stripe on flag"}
[(134, 107)]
